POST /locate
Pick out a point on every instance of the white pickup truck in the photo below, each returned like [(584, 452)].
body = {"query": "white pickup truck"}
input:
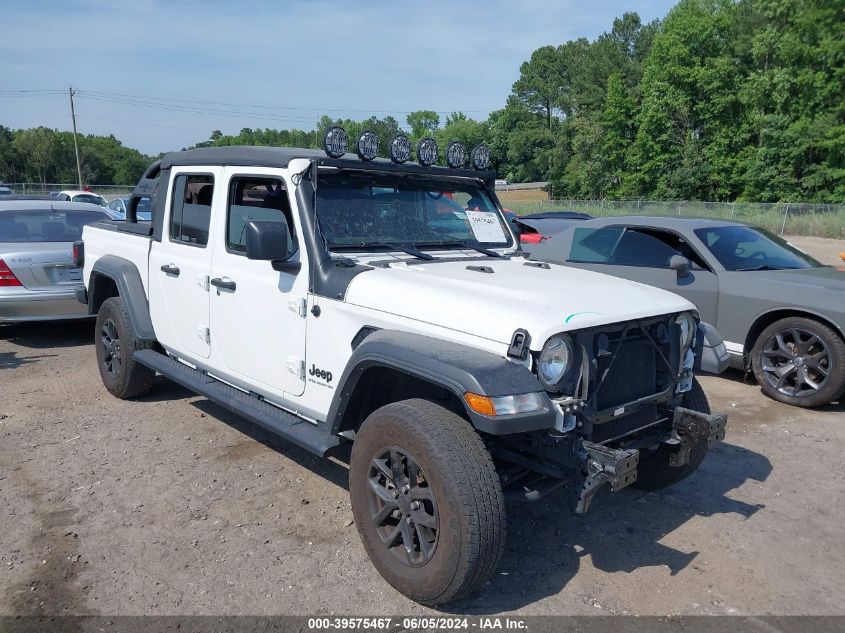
[(339, 300)]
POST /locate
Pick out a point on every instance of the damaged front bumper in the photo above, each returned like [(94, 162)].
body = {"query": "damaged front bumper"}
[(618, 466)]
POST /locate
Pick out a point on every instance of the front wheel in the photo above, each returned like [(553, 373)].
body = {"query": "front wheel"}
[(655, 471), (800, 361), (427, 501)]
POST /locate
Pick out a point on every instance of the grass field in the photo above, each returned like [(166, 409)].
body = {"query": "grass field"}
[(794, 219)]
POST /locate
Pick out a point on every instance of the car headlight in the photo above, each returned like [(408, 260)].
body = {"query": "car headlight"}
[(555, 360), (687, 323)]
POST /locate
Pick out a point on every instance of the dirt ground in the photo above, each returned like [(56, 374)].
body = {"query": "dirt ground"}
[(170, 505), (825, 250)]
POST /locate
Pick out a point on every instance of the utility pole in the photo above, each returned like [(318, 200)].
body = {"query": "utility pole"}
[(75, 143)]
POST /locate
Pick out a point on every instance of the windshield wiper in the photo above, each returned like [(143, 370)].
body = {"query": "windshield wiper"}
[(474, 245), (405, 248)]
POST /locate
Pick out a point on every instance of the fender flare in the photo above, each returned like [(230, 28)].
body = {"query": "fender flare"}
[(127, 278), (454, 367)]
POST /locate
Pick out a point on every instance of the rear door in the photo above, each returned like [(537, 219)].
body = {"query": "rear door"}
[(180, 262)]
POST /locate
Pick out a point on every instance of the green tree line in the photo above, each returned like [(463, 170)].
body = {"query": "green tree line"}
[(42, 155), (721, 100)]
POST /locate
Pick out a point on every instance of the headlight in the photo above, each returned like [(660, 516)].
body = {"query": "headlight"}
[(687, 324), (555, 360)]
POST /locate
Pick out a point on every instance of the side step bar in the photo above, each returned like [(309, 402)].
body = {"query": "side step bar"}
[(286, 425)]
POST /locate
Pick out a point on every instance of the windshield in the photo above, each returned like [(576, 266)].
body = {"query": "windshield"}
[(357, 210), (740, 247), (45, 225), (90, 197)]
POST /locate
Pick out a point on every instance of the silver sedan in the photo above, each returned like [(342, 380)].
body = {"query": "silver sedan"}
[(38, 279)]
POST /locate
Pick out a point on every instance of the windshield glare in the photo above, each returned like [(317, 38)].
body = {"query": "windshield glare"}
[(740, 247), (360, 210), (91, 198)]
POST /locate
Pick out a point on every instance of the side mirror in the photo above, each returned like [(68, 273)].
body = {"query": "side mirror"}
[(680, 265), (267, 240)]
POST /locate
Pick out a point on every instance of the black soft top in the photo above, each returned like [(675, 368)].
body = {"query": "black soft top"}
[(256, 156)]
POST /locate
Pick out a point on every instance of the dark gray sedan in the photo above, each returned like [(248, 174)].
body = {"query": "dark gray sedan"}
[(38, 278), (780, 311)]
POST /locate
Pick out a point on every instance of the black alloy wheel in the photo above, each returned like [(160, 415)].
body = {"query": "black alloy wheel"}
[(403, 507), (110, 340)]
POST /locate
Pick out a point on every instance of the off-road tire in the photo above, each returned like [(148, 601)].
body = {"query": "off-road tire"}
[(130, 379), (654, 471), (835, 387), (468, 493)]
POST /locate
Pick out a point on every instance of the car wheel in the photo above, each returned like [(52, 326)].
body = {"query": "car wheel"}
[(115, 344), (800, 361), (427, 501), (655, 470)]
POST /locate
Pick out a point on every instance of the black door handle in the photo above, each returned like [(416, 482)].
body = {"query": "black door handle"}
[(170, 269), (226, 285)]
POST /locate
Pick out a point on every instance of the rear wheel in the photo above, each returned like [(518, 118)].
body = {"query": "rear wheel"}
[(800, 361), (115, 343), (427, 501), (655, 471)]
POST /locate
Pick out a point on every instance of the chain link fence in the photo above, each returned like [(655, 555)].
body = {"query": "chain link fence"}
[(109, 192), (782, 218)]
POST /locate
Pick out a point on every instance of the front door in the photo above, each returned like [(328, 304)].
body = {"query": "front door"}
[(180, 262), (257, 313)]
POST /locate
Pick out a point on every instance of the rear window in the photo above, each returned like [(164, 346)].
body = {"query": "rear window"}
[(45, 225), (90, 198)]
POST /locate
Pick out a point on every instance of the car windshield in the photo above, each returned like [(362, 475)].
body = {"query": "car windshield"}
[(357, 211), (45, 225), (90, 197), (739, 247)]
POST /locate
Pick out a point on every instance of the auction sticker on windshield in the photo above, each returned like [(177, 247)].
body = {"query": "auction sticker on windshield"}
[(486, 226)]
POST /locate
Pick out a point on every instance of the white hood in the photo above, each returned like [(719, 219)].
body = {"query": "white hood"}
[(493, 305)]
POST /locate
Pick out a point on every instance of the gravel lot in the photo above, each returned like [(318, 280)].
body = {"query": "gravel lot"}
[(169, 505)]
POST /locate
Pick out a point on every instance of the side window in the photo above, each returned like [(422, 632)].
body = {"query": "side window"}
[(190, 213), (678, 243), (640, 249), (594, 246), (256, 198)]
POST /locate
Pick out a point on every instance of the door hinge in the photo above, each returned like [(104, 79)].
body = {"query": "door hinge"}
[(203, 281), (298, 305), (205, 334), (296, 366)]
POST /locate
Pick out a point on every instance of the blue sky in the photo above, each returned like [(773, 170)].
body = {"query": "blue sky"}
[(294, 59)]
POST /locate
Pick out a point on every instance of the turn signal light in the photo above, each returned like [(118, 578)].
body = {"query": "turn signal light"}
[(7, 277), (480, 404), (504, 405)]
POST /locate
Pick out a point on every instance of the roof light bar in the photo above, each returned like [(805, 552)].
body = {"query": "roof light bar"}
[(368, 144), (336, 142), (400, 149), (456, 154), (427, 152)]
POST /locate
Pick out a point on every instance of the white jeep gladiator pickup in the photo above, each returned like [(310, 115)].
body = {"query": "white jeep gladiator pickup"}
[(339, 300)]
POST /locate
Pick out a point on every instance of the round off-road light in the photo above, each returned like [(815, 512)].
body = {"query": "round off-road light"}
[(336, 142), (368, 146), (480, 156), (400, 149), (427, 152), (456, 154)]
